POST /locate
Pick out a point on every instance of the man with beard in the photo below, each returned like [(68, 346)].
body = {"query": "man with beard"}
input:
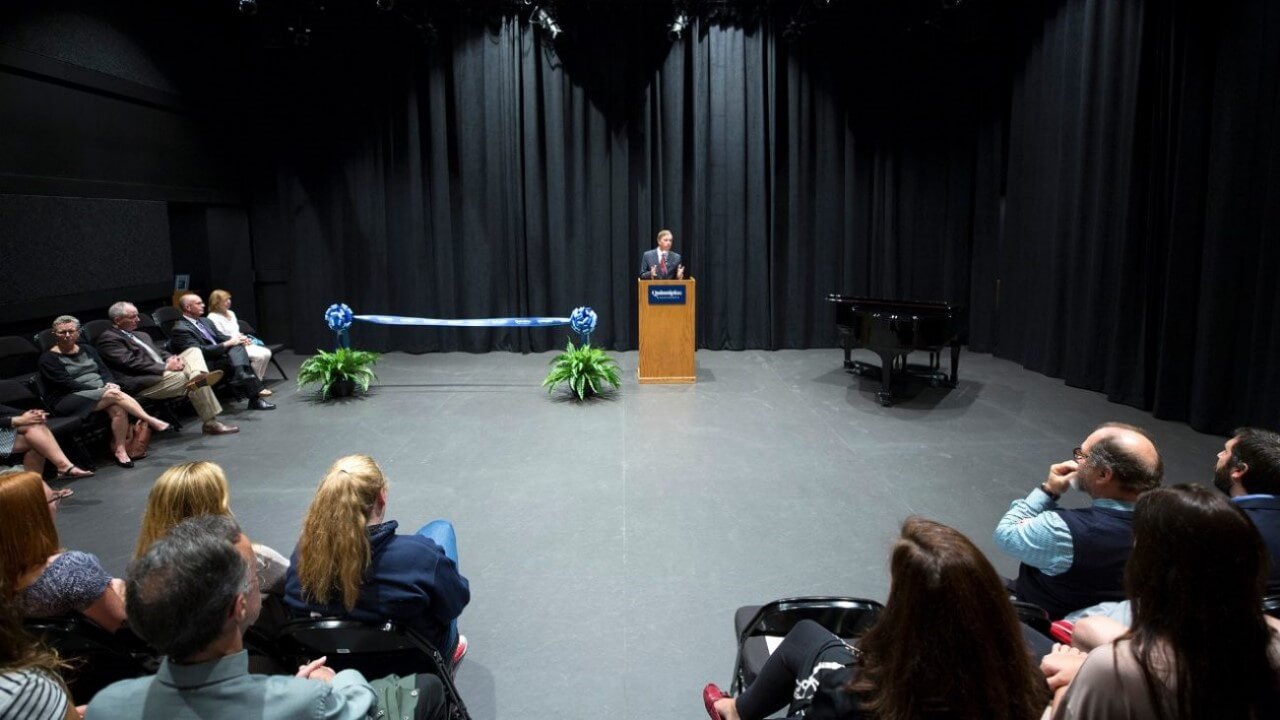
[(1073, 558), (1248, 470)]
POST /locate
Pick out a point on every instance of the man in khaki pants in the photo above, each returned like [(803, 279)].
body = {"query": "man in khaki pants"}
[(146, 371)]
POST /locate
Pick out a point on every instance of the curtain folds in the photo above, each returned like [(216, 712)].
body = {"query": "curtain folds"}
[(1093, 181)]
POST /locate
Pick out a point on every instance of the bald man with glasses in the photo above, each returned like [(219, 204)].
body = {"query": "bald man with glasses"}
[(1074, 558)]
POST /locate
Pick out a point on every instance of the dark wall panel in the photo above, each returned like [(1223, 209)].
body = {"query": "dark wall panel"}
[(77, 252), (67, 140)]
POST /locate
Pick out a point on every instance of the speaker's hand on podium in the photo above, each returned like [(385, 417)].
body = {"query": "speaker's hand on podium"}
[(653, 272), (679, 272)]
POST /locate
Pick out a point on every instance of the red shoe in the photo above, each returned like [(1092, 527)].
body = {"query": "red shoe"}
[(460, 650), (710, 694)]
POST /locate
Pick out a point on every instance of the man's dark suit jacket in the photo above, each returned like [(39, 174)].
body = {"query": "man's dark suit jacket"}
[(217, 356), (650, 260), (184, 335), (133, 367)]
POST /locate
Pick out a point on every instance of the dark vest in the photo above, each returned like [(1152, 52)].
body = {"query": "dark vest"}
[(1265, 514), (1101, 539)]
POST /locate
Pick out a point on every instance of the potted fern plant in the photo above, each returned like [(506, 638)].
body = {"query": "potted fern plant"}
[(585, 369), (339, 373)]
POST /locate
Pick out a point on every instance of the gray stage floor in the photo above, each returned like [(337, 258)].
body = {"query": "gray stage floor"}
[(608, 544)]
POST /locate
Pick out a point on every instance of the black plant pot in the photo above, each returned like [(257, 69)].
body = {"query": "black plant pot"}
[(342, 388)]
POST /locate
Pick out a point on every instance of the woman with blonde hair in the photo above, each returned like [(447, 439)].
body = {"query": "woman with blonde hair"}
[(200, 488), (351, 563), (43, 579), (224, 318)]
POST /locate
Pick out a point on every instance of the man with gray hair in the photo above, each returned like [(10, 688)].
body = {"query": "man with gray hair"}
[(147, 371), (191, 596), (194, 331)]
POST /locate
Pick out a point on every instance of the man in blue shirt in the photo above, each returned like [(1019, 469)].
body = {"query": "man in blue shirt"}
[(192, 595), (1074, 558), (1248, 470)]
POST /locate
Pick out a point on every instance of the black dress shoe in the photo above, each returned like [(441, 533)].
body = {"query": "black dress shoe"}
[(260, 404), (123, 464)]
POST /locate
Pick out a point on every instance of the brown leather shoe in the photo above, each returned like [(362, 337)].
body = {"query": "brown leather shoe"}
[(216, 428), (203, 379)]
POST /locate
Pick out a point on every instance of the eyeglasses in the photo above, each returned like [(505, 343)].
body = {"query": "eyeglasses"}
[(65, 333), (1080, 455)]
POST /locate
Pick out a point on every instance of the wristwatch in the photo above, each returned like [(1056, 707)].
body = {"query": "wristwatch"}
[(1044, 488)]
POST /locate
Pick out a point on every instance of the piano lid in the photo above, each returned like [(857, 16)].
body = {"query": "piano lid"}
[(893, 307)]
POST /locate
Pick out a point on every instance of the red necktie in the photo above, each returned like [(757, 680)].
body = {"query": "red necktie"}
[(662, 263)]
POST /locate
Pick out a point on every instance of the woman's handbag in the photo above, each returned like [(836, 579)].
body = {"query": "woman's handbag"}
[(138, 440)]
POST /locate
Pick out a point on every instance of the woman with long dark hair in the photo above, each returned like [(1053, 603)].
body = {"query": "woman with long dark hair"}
[(947, 645), (1199, 645)]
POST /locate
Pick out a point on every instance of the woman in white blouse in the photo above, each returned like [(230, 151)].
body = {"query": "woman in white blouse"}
[(222, 317)]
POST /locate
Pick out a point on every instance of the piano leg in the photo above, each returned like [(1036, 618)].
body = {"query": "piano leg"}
[(955, 360), (885, 396)]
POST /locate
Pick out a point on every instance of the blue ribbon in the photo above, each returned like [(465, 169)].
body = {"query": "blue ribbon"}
[(477, 322)]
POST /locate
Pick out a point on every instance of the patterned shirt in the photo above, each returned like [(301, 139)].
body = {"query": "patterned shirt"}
[(72, 582), (31, 694)]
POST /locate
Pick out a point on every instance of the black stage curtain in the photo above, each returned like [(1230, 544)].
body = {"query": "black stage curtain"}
[(1095, 182), (492, 175), (1138, 254)]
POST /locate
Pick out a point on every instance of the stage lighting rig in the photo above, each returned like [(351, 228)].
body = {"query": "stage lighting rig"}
[(678, 26), (385, 4), (248, 7), (543, 18)]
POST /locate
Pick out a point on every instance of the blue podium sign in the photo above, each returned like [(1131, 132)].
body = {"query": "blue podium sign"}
[(666, 295)]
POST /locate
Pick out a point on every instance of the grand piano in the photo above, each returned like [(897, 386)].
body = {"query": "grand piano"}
[(894, 328)]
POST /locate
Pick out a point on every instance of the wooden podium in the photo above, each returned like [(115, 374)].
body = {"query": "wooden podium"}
[(668, 315)]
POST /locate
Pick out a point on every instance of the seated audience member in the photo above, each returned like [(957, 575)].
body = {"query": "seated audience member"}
[(350, 561), (146, 371), (191, 596), (200, 488), (918, 660), (77, 383), (220, 351), (1199, 646), (1248, 470), (225, 320), (30, 685), (1074, 558), (47, 581), (26, 433)]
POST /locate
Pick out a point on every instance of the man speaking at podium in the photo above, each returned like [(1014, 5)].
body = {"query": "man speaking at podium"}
[(660, 263)]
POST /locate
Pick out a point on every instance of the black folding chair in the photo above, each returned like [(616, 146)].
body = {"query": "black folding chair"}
[(166, 317), (98, 657), (92, 330), (19, 358), (68, 431), (148, 325), (760, 627), (375, 650), (1271, 606), (247, 329)]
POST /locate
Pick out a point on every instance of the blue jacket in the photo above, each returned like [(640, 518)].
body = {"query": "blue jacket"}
[(409, 581), (1264, 511)]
